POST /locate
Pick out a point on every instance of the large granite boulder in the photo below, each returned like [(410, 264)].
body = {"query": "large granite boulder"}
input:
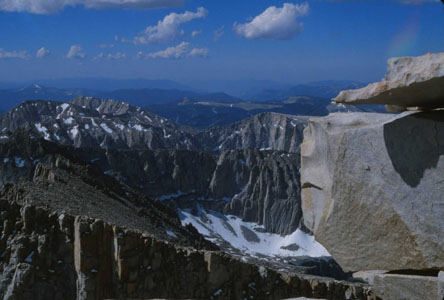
[(410, 82), (373, 189)]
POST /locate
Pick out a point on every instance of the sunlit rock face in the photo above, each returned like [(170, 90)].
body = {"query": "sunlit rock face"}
[(373, 189), (410, 82)]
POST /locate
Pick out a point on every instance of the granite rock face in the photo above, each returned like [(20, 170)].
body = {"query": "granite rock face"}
[(267, 131), (257, 186), (373, 189), (263, 187), (398, 286), (410, 82)]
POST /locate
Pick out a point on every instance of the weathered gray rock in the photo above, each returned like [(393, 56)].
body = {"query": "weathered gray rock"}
[(267, 131), (410, 82), (373, 189), (399, 287), (263, 187)]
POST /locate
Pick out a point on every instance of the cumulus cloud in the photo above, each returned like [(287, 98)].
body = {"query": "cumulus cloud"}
[(415, 1), (167, 29), (76, 51), (52, 6), (117, 55), (171, 52), (180, 51), (196, 33), (199, 52), (275, 23), (42, 52), (218, 33), (104, 46), (400, 1), (14, 54)]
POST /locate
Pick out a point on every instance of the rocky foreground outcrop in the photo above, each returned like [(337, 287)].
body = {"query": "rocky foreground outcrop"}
[(410, 82), (373, 189), (51, 255)]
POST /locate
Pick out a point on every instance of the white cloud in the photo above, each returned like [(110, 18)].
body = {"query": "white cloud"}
[(218, 33), (99, 56), (171, 52), (117, 55), (42, 52), (275, 23), (176, 52), (104, 46), (52, 6), (14, 54), (196, 33), (167, 29), (415, 1), (199, 52), (400, 1), (76, 51)]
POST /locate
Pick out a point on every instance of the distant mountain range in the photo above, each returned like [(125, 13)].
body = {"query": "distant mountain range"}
[(201, 110), (101, 84), (321, 89), (141, 97), (203, 114)]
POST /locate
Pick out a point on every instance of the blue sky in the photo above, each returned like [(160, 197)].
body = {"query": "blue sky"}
[(233, 39)]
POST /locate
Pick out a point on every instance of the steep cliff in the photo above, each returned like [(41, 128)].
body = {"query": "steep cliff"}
[(268, 131)]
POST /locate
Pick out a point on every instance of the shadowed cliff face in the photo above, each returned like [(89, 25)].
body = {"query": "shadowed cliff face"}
[(415, 144), (249, 169), (257, 186)]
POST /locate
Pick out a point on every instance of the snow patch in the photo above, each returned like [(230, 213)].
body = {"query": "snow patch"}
[(250, 237), (43, 130), (74, 132), (175, 195), (138, 127), (120, 126), (64, 106), (68, 121), (165, 134), (29, 258), (106, 128), (170, 233), (19, 162)]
